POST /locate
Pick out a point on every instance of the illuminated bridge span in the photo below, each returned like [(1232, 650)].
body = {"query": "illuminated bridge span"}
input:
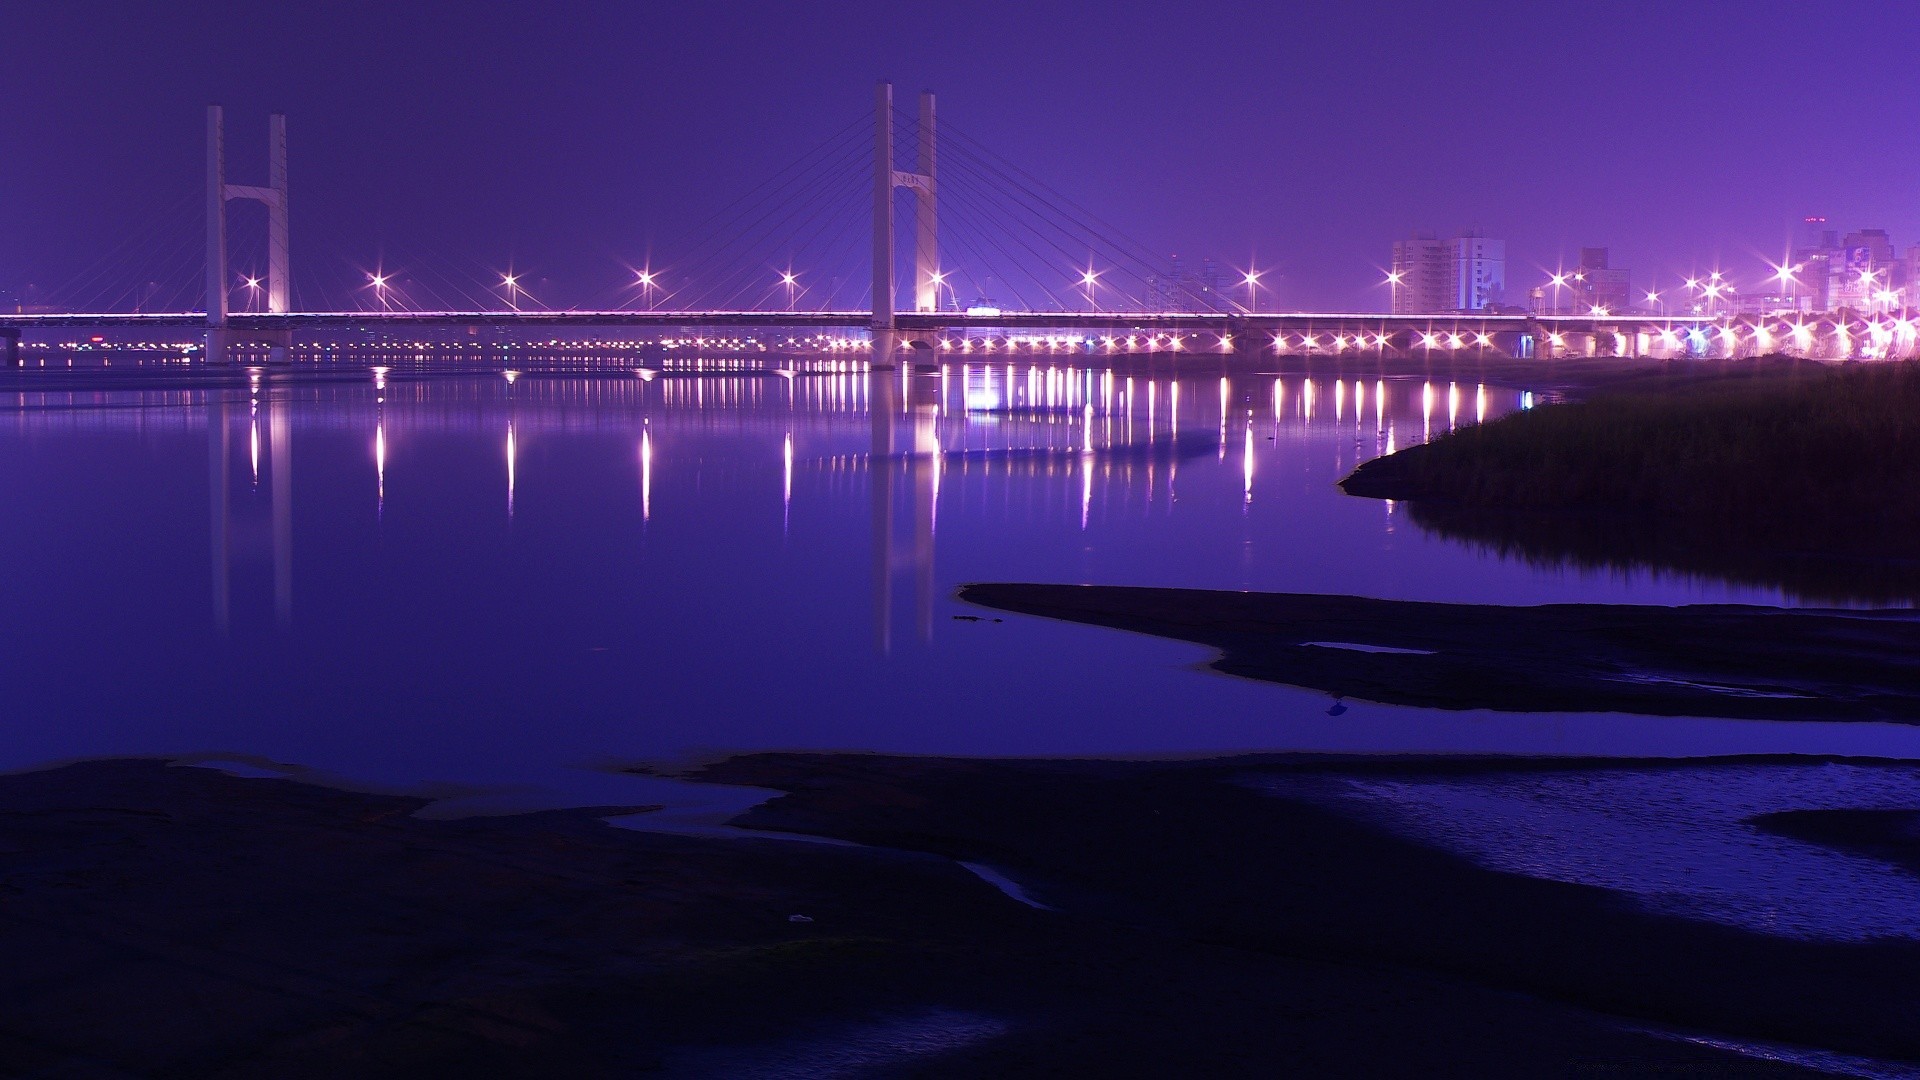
[(1093, 313)]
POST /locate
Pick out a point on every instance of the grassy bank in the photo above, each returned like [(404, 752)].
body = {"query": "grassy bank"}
[(1799, 475)]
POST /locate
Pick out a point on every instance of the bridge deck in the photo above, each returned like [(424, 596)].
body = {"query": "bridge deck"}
[(849, 320)]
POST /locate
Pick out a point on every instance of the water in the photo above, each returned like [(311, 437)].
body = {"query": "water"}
[(496, 590), (1678, 841)]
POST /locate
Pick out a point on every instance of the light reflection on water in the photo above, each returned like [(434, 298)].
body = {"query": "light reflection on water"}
[(403, 576)]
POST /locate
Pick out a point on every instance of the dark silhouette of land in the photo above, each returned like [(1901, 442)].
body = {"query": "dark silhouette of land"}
[(164, 921), (1728, 660), (1788, 473)]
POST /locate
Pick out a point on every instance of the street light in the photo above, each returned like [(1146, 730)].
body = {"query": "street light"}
[(1714, 290), (513, 287), (646, 287), (1087, 279), (788, 279), (1393, 289), (1559, 282), (379, 282), (1252, 281)]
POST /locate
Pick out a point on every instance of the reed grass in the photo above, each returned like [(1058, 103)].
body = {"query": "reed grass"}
[(1800, 461)]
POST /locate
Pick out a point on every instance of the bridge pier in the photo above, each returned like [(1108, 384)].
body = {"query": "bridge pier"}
[(224, 341), (11, 335)]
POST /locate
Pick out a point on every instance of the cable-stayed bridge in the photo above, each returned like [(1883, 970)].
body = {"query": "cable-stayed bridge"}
[(988, 251)]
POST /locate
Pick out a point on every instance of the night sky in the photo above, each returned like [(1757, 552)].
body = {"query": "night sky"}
[(569, 138)]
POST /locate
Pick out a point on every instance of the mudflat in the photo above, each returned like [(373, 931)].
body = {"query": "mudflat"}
[(1726, 660), (1201, 918)]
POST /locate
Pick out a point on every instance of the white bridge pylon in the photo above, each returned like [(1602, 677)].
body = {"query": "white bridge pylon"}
[(274, 196), (926, 249)]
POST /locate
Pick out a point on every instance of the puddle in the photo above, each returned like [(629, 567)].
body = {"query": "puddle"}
[(1675, 839), (1648, 678), (1827, 1061), (875, 1048), (1354, 646), (1006, 885)]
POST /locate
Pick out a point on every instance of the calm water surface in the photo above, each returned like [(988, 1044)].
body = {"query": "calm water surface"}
[(462, 581)]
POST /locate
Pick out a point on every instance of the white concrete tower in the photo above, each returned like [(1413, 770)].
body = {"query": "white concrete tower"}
[(274, 197), (926, 250), (886, 178), (279, 280), (883, 221), (216, 219)]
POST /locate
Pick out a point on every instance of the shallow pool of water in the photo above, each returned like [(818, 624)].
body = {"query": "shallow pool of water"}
[(1680, 841)]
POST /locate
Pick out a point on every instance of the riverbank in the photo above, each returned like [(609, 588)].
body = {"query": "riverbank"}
[(1797, 477), (1235, 917)]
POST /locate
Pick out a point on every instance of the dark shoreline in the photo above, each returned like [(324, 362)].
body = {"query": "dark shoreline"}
[(178, 921), (1723, 660)]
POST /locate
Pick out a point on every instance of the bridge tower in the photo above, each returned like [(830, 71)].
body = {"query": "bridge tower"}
[(220, 336), (926, 251)]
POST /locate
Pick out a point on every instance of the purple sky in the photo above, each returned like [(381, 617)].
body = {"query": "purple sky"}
[(567, 137)]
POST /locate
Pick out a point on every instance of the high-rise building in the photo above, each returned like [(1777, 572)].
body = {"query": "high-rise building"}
[(1598, 286), (1860, 272), (1431, 276), (1814, 249), (1479, 272), (1594, 285), (1180, 289), (1421, 276), (1877, 244)]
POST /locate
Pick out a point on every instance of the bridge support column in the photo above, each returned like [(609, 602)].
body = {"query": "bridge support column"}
[(274, 197), (279, 345), (224, 341), (926, 248), (11, 336), (216, 230), (926, 259)]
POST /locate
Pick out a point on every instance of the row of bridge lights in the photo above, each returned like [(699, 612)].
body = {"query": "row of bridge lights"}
[(1706, 292), (382, 284)]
